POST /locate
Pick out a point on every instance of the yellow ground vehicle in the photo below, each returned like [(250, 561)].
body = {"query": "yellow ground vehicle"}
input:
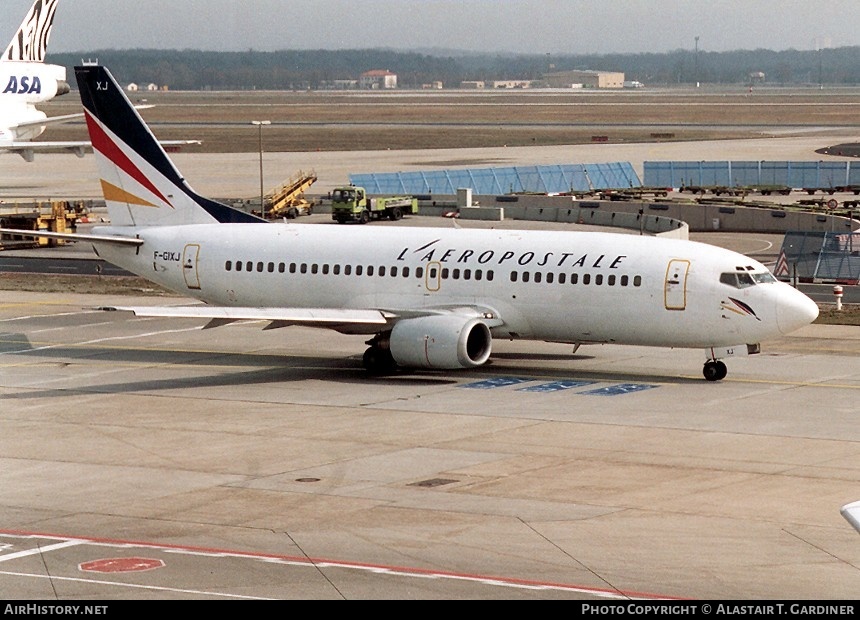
[(288, 200), (351, 204)]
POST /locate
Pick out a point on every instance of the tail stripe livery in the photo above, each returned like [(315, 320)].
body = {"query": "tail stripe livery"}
[(134, 168), (112, 193), (109, 149), (31, 41)]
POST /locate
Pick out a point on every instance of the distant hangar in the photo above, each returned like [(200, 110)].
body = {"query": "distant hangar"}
[(560, 79), (584, 79)]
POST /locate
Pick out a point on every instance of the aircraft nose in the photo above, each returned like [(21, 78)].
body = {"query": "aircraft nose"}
[(794, 310)]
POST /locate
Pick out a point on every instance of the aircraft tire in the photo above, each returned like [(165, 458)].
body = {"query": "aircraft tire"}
[(379, 361), (715, 370)]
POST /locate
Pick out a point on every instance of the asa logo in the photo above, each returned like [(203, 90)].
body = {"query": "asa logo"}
[(23, 85)]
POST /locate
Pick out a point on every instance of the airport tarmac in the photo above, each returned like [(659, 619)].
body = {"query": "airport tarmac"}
[(150, 459)]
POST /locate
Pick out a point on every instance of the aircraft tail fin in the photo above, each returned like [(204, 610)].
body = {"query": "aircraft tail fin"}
[(30, 43), (141, 186)]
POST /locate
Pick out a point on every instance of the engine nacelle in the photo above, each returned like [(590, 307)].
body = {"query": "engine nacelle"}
[(443, 341)]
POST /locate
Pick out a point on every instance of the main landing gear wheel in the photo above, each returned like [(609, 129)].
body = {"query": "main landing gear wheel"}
[(379, 361), (715, 370)]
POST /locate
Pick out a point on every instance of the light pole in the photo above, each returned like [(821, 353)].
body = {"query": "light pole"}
[(259, 125), (696, 63)]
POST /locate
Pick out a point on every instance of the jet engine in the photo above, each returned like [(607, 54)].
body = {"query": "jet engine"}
[(440, 341)]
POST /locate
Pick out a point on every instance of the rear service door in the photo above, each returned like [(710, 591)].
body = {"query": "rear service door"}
[(190, 256)]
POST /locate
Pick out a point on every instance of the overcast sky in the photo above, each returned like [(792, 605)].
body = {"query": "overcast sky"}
[(522, 26)]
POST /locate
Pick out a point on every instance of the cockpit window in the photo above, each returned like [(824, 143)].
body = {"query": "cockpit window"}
[(745, 280), (764, 278), (737, 279)]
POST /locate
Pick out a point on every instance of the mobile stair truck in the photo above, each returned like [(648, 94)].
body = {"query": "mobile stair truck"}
[(288, 200), (351, 204)]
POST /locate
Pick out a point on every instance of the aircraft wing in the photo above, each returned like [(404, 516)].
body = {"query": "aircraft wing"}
[(333, 318), (278, 317), (178, 142)]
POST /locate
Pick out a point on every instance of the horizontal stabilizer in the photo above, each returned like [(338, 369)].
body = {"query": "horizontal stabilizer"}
[(71, 236), (28, 150), (51, 120)]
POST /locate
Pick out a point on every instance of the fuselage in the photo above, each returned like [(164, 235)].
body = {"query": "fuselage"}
[(562, 286), (22, 86)]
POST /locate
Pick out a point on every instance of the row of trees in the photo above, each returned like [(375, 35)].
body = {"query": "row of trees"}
[(309, 69)]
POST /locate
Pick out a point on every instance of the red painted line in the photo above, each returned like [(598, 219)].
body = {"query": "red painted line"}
[(306, 561)]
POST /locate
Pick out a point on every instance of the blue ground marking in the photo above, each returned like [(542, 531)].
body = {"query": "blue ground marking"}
[(620, 388), (555, 386), (495, 382)]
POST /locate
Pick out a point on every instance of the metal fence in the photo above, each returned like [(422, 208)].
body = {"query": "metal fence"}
[(552, 179), (820, 257), (796, 174)]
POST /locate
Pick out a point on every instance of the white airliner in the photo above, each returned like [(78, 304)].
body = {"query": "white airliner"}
[(26, 80), (428, 297)]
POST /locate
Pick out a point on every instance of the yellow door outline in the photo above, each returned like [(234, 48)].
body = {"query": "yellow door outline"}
[(190, 256), (675, 288), (433, 276)]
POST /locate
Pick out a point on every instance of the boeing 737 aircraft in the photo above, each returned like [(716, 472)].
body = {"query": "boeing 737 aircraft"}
[(427, 297)]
